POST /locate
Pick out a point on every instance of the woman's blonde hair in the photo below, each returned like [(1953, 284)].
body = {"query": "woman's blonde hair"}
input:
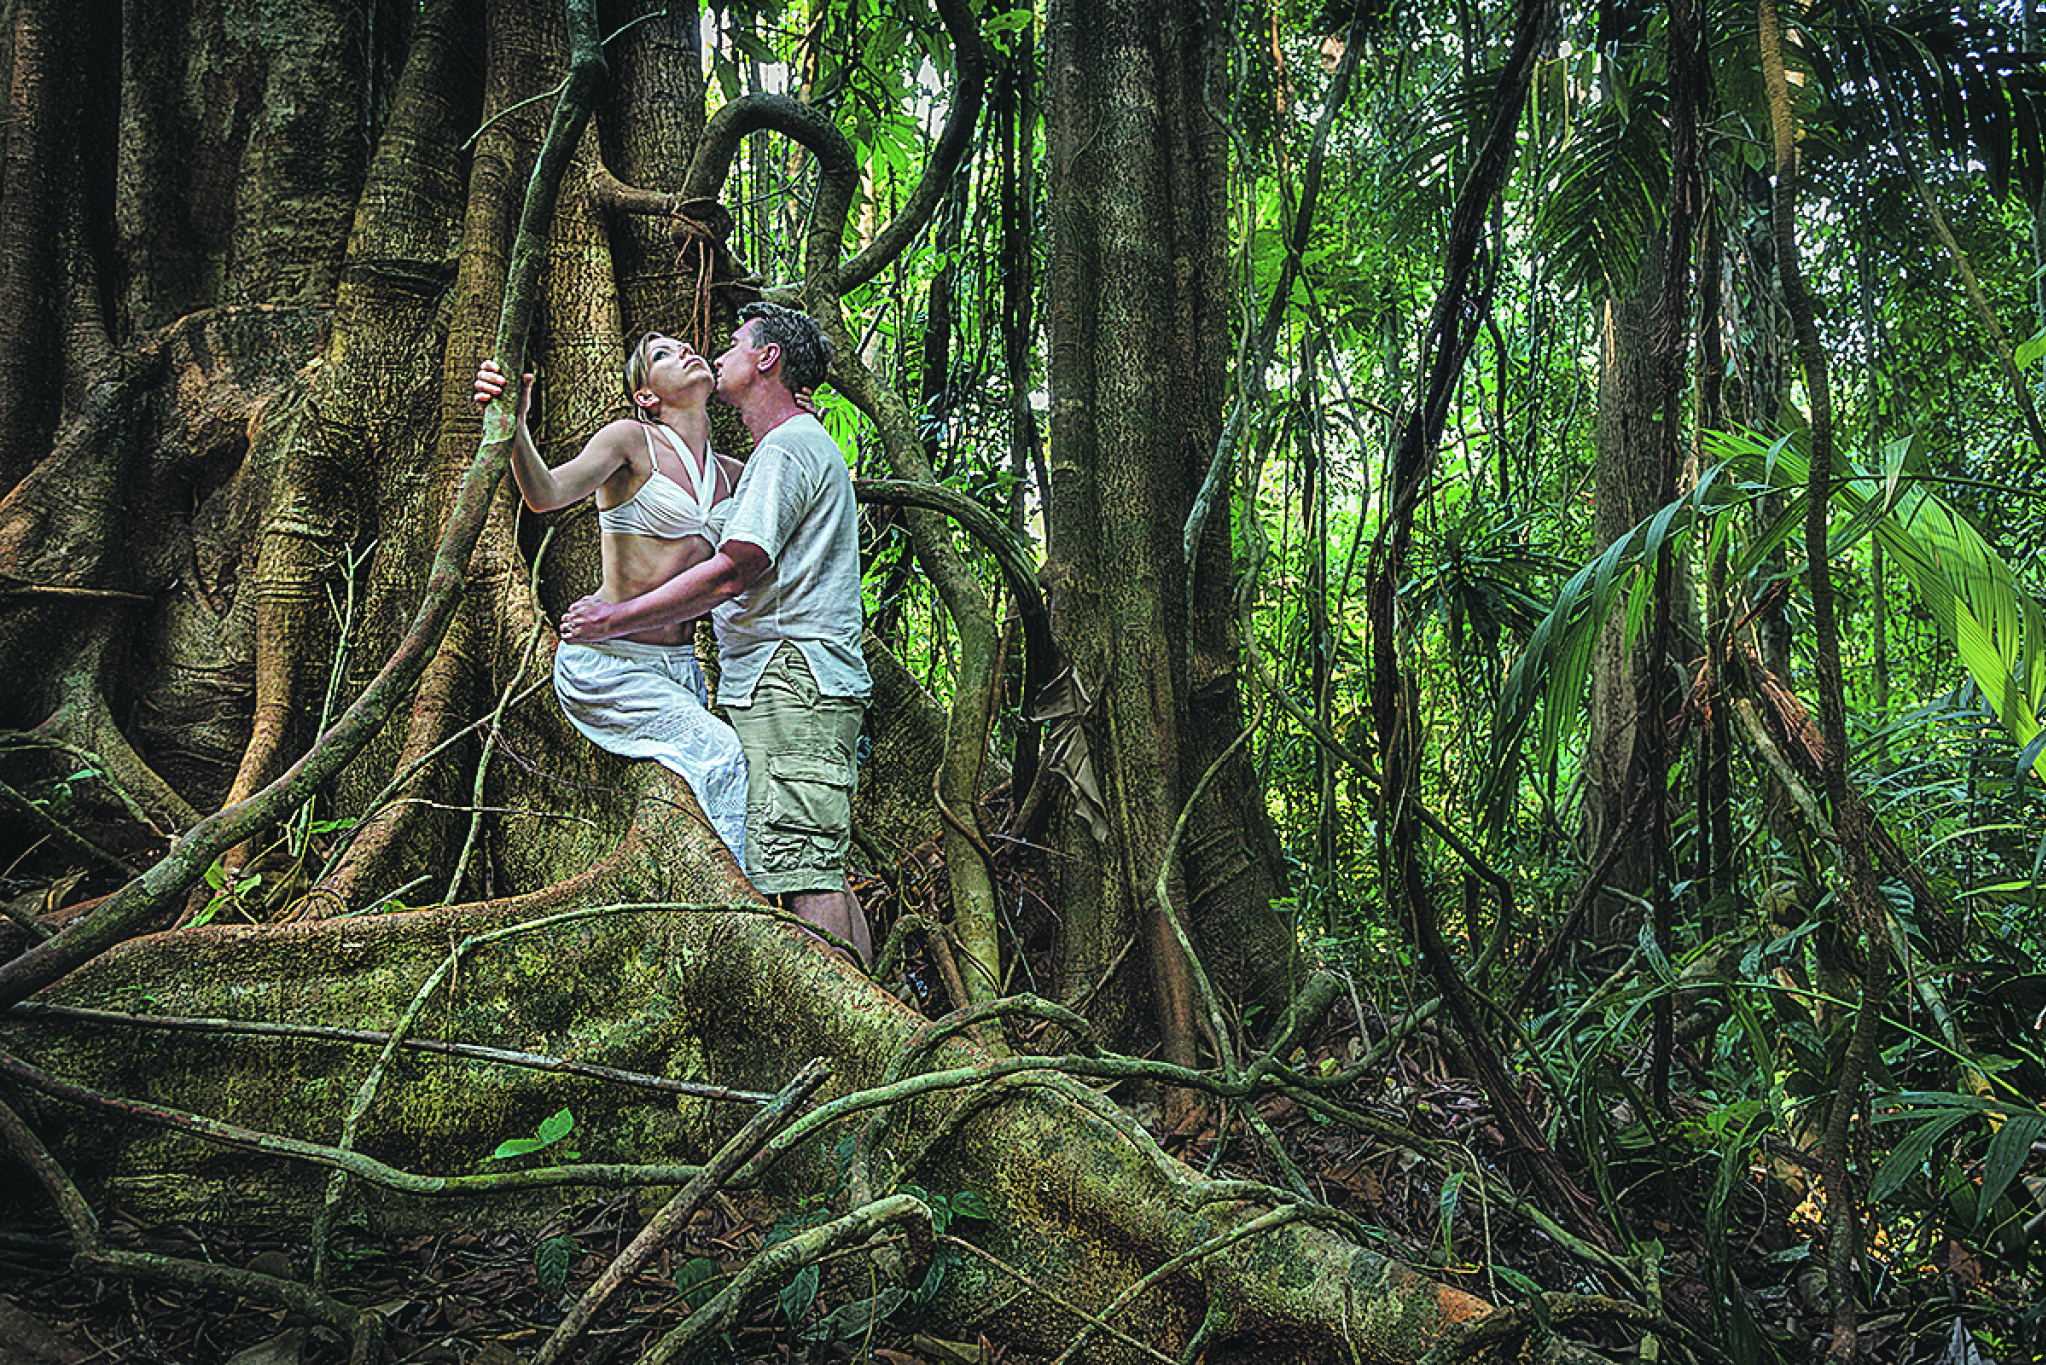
[(636, 366)]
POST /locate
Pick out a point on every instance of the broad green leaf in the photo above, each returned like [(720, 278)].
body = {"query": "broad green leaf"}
[(1909, 1155), (552, 1130), (1996, 628), (799, 1293), (695, 1282), (751, 45), (551, 1260), (2007, 1153), (557, 1126), (2030, 350), (855, 1318)]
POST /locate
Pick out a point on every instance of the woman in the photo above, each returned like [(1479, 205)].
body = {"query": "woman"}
[(656, 482)]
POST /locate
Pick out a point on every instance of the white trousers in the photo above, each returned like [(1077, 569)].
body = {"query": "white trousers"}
[(648, 701)]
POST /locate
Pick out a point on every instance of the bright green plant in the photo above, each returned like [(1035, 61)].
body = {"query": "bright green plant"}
[(555, 1128)]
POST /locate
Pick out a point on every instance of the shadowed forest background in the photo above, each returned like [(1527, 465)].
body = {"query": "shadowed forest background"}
[(1456, 769)]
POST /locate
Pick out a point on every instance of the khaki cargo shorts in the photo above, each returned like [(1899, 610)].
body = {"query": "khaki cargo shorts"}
[(800, 760)]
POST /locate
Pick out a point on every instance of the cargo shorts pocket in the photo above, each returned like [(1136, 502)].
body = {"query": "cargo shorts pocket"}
[(809, 808)]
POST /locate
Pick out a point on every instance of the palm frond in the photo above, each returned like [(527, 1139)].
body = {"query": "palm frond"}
[(1432, 144), (1553, 673), (1996, 628), (1600, 206), (1977, 93)]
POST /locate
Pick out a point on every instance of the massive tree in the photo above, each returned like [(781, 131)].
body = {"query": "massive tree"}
[(267, 600)]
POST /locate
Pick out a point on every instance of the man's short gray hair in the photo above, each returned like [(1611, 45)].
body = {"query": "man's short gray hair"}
[(805, 351)]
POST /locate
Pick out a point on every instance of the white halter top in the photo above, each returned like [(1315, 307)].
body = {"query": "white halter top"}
[(662, 508)]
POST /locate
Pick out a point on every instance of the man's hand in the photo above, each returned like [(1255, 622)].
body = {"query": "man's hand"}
[(588, 621)]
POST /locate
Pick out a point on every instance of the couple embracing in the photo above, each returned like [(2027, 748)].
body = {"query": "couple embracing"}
[(770, 552)]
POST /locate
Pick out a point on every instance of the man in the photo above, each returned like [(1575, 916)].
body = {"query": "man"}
[(785, 583)]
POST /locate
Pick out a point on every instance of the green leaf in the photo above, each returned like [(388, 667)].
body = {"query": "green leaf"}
[(967, 1204), (1452, 1189), (751, 45), (727, 74), (512, 1147), (935, 1276), (855, 1318), (1973, 597), (551, 1131), (1537, 1301), (2007, 1153), (1651, 948), (1553, 671), (551, 1260), (1909, 1155), (789, 1224), (695, 1282), (557, 1127), (799, 1293)]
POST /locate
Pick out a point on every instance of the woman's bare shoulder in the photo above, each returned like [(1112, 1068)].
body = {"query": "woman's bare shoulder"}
[(624, 439)]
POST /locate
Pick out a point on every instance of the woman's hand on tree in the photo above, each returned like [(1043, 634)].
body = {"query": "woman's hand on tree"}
[(490, 383)]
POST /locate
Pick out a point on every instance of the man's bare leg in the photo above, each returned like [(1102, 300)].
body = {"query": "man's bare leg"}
[(837, 912)]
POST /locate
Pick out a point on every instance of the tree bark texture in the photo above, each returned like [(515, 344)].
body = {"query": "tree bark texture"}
[(1633, 687), (1139, 335)]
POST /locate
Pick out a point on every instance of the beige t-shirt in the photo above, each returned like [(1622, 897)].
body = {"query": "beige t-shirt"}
[(795, 501)]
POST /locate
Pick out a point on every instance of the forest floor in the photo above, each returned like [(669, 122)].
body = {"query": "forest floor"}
[(485, 1296), (477, 1297)]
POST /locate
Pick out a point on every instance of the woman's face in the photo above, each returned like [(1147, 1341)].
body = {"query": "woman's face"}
[(665, 371)]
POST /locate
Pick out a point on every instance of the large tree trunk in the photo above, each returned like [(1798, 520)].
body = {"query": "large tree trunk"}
[(1634, 687), (1139, 335)]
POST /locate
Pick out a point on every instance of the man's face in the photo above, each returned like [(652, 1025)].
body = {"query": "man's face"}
[(738, 365)]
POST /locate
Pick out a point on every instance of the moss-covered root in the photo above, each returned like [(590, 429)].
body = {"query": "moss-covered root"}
[(1081, 1208)]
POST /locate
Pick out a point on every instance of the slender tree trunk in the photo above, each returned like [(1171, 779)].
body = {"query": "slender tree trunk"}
[(46, 285), (1629, 692), (1138, 226), (1014, 110), (1857, 908)]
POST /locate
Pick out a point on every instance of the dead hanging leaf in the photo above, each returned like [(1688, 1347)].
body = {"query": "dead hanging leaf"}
[(273, 1263), (1063, 708), (952, 1352), (1961, 1347)]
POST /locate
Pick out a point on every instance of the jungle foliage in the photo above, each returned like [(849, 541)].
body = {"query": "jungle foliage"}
[(1458, 587)]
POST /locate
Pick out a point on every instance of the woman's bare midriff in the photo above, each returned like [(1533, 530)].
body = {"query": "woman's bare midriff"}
[(635, 565)]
